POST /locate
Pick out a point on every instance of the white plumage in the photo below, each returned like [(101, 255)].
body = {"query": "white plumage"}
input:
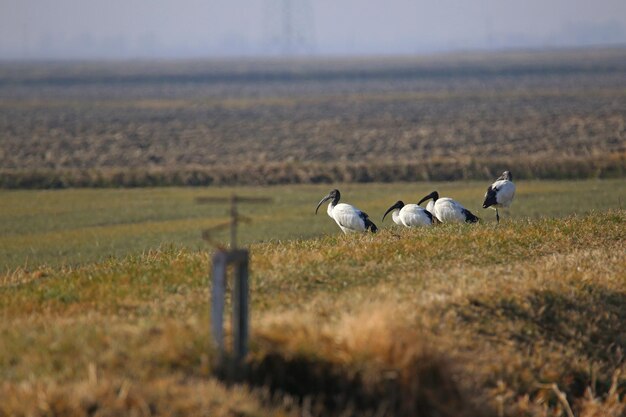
[(430, 206), (500, 193), (348, 218), (447, 210), (409, 215)]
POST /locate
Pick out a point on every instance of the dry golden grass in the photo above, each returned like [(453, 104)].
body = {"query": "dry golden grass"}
[(523, 319), (166, 396)]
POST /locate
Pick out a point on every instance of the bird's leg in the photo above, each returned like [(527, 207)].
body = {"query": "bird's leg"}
[(497, 216)]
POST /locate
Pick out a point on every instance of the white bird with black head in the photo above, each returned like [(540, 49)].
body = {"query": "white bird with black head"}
[(500, 193), (447, 210), (349, 218), (409, 215)]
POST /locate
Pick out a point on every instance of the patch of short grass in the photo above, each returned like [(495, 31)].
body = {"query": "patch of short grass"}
[(71, 227)]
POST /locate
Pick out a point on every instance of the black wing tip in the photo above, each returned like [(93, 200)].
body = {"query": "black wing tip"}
[(490, 201), (369, 225), (490, 197), (471, 217)]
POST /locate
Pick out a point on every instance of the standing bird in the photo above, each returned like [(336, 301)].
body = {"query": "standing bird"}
[(500, 193), (409, 215), (447, 210), (348, 218)]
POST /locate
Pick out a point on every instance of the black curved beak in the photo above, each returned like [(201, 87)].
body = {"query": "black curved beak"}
[(398, 205), (434, 194), (328, 197)]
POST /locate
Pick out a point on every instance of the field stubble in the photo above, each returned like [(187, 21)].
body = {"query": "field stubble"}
[(549, 116)]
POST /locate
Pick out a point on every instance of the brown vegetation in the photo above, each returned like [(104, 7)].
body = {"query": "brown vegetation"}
[(605, 166), (548, 116)]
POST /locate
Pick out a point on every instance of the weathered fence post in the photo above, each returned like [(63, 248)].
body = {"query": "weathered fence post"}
[(239, 258), (240, 293)]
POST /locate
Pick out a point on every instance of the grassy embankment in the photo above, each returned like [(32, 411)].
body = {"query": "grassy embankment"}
[(463, 319), (76, 226)]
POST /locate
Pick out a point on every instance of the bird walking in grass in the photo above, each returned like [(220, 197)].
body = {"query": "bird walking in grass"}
[(447, 210), (348, 218), (409, 215), (500, 193)]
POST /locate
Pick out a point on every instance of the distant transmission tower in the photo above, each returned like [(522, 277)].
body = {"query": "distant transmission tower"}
[(289, 27)]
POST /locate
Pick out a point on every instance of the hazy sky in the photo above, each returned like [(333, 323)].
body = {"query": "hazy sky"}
[(200, 28)]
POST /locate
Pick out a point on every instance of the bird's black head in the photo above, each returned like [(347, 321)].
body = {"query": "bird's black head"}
[(434, 195), (334, 195), (397, 205), (506, 175)]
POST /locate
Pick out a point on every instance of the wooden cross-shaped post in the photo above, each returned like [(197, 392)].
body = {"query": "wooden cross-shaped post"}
[(221, 259), (235, 217)]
